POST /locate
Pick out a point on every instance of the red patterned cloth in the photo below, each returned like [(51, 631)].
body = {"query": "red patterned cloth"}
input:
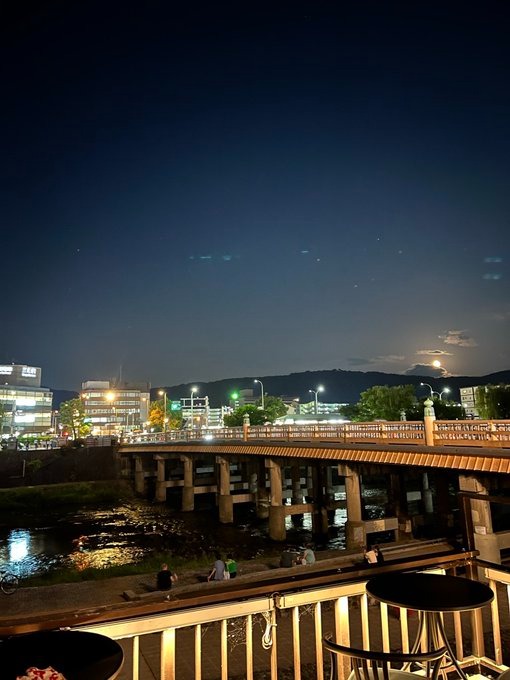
[(41, 674)]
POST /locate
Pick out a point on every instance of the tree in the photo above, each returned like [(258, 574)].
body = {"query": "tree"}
[(444, 410), (157, 416), (350, 412), (236, 419), (493, 402), (273, 408), (72, 416), (386, 403)]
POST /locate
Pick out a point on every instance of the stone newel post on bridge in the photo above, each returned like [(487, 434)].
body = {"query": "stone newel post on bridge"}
[(429, 417), (246, 426)]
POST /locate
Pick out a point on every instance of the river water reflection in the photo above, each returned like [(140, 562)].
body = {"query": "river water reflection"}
[(125, 534)]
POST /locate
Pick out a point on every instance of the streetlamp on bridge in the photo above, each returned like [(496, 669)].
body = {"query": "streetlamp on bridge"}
[(262, 391), (162, 393), (193, 390), (320, 388)]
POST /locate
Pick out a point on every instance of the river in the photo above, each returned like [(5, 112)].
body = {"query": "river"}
[(127, 533)]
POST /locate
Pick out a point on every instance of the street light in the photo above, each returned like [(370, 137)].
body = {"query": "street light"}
[(193, 390), (162, 393), (110, 396), (261, 390), (432, 392), (422, 384), (320, 388)]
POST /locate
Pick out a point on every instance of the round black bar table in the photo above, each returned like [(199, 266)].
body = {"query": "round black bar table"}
[(430, 595), (77, 655)]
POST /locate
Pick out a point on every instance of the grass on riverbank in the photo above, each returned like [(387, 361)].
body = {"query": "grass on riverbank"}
[(151, 565), (49, 497)]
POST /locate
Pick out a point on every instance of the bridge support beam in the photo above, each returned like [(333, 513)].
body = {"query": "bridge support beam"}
[(225, 500), (139, 476), (355, 536), (276, 510), (188, 490), (262, 499), (320, 514), (160, 480), (486, 541)]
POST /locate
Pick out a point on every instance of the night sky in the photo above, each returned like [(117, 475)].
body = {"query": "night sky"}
[(200, 192)]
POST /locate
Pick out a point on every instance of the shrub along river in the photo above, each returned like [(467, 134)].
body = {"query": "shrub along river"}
[(102, 536)]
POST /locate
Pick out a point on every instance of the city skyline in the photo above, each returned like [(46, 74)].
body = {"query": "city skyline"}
[(208, 192)]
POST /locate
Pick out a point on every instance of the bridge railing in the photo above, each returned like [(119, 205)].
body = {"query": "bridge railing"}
[(486, 433), (279, 635)]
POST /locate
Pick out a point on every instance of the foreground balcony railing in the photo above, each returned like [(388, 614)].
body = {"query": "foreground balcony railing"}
[(278, 636), (487, 433)]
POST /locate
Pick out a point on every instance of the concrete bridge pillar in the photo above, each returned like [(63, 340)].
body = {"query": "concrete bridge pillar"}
[(426, 494), (485, 539), (355, 536), (225, 500), (443, 502), (139, 476), (262, 499), (188, 489), (309, 481), (397, 502), (297, 493), (319, 515), (160, 480), (276, 509)]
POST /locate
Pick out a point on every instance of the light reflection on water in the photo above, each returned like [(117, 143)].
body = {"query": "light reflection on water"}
[(127, 533)]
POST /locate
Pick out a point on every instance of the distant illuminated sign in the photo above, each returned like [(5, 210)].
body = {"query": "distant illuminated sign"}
[(175, 406), (29, 371), (5, 370)]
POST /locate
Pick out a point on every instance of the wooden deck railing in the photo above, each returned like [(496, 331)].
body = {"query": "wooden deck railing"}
[(278, 634)]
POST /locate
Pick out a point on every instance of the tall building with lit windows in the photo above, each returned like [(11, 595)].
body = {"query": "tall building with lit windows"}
[(25, 406), (115, 408)]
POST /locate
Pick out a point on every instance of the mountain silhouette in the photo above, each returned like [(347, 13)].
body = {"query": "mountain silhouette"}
[(339, 386)]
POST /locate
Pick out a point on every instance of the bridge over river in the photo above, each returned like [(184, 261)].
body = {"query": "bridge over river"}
[(292, 470)]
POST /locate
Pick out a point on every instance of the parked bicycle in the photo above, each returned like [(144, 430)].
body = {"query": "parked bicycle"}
[(9, 582)]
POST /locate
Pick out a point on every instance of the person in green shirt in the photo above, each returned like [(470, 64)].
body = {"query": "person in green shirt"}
[(231, 566)]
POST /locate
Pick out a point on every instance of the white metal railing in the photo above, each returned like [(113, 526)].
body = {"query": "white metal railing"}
[(485, 433), (282, 634)]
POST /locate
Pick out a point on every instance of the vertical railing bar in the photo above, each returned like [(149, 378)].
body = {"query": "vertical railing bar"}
[(478, 644), (274, 647), (365, 628), (496, 629), (404, 630), (249, 647), (318, 641), (457, 627), (385, 627), (198, 652), (224, 649), (296, 643), (136, 657), (168, 654)]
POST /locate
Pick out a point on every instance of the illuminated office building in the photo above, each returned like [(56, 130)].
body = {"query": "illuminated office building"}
[(25, 406), (115, 408)]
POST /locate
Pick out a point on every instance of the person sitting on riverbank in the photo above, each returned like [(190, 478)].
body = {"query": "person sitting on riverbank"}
[(288, 558), (165, 578), (231, 566), (307, 557), (218, 570)]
